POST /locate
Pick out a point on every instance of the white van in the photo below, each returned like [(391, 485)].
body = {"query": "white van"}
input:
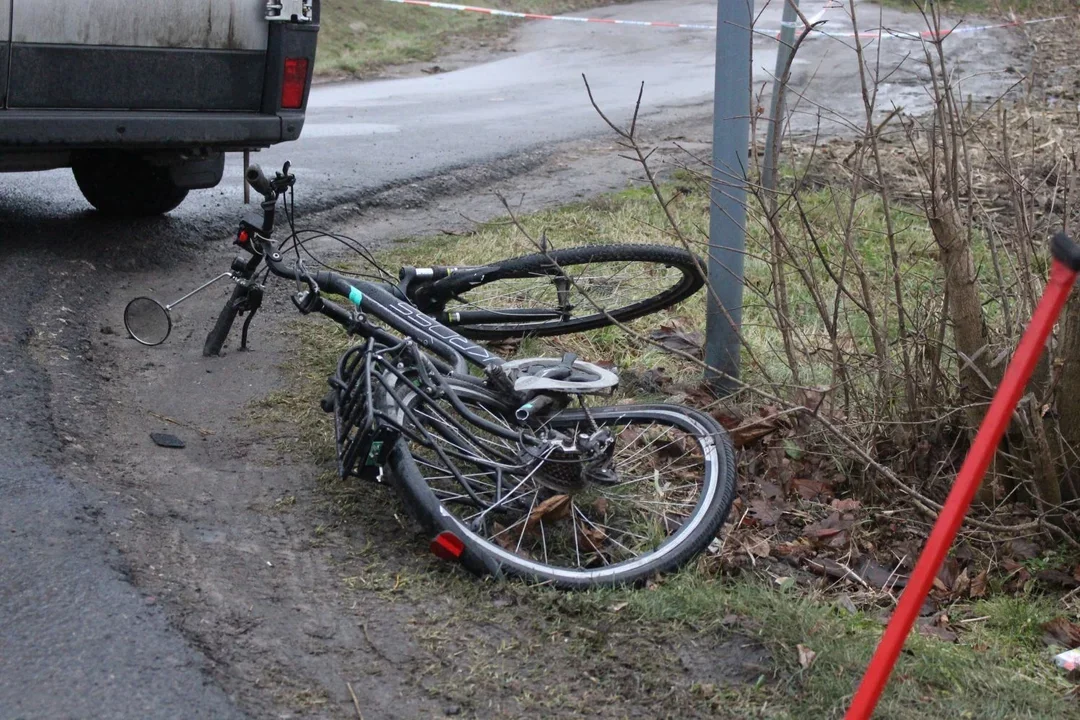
[(142, 98)]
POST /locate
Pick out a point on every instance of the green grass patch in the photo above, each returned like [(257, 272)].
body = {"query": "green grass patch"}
[(999, 669), (360, 37), (634, 216), (542, 652)]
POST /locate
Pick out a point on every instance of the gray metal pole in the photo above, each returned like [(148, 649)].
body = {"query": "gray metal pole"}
[(727, 222), (776, 111)]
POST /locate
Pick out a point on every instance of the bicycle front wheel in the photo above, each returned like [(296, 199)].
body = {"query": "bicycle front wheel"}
[(524, 515), (569, 290)]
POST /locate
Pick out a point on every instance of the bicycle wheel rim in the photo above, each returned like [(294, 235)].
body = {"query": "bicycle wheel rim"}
[(695, 529), (607, 283)]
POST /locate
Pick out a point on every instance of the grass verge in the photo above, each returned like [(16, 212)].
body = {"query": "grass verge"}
[(700, 644), (360, 38)]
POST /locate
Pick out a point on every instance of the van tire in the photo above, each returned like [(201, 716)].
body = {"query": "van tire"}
[(125, 184)]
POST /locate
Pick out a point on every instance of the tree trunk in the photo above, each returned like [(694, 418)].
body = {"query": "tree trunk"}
[(965, 310), (1068, 396)]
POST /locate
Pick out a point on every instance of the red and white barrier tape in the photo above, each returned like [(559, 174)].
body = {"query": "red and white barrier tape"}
[(961, 29), (833, 4), (537, 16)]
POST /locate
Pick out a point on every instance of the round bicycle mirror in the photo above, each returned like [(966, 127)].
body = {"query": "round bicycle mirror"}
[(147, 321)]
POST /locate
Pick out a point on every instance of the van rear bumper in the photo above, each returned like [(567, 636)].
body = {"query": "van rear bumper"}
[(36, 130)]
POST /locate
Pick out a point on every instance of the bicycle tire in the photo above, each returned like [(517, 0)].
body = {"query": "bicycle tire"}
[(464, 288), (484, 556)]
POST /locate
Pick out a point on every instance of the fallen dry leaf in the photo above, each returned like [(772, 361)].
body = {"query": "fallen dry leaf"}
[(1061, 631), (846, 505), (978, 585), (826, 527), (810, 489), (592, 538), (962, 584), (1058, 578), (554, 508), (758, 546), (930, 627), (767, 513), (671, 338), (806, 656), (1023, 549), (502, 537)]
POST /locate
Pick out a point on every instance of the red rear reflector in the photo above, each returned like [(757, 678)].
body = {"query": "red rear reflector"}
[(294, 82), (447, 546), (243, 237)]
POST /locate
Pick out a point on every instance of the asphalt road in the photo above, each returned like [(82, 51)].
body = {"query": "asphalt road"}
[(76, 638), (361, 137)]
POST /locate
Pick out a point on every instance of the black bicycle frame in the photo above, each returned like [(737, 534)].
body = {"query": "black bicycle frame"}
[(380, 302), (428, 289), (383, 302)]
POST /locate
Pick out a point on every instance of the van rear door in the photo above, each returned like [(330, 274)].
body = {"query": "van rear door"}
[(205, 55)]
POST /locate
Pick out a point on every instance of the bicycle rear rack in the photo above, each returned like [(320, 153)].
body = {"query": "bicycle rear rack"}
[(361, 440)]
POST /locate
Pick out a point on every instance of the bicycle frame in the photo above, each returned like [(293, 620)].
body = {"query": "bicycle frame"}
[(382, 301), (427, 288)]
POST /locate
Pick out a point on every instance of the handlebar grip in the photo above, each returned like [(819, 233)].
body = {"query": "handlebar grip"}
[(1066, 251), (216, 338), (258, 181)]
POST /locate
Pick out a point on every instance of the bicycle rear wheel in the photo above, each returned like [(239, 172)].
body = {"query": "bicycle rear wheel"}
[(569, 290), (673, 490)]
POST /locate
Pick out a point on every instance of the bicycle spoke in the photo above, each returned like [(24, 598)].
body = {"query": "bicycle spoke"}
[(525, 511), (607, 283)]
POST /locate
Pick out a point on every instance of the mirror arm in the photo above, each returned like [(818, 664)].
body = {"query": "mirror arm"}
[(205, 285)]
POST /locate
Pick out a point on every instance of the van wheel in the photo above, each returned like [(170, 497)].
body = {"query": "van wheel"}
[(125, 184)]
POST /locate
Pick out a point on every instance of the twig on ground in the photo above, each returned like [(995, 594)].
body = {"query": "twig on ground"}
[(355, 701)]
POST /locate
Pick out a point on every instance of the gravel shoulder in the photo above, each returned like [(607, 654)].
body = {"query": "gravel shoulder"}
[(291, 588)]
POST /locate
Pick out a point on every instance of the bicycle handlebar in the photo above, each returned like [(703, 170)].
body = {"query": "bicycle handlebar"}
[(262, 249), (258, 181)]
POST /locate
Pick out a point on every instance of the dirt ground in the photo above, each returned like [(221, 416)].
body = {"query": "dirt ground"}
[(295, 594)]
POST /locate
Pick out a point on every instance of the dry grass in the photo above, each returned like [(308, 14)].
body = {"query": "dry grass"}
[(359, 38), (997, 669)]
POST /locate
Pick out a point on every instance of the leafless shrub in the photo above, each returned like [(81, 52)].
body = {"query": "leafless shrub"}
[(899, 289)]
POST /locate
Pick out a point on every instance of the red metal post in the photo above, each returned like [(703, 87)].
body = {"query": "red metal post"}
[(967, 482)]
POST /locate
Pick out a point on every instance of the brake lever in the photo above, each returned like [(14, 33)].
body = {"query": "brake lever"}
[(309, 300)]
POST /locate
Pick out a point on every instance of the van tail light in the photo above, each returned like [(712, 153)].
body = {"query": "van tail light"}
[(294, 83)]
